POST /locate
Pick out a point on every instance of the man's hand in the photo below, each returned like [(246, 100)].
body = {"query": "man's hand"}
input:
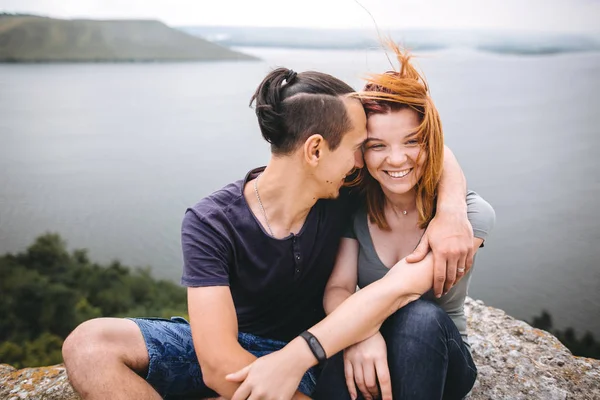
[(365, 363), (450, 237), (272, 377)]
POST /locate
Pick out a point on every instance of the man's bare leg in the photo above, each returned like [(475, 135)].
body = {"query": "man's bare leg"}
[(106, 358)]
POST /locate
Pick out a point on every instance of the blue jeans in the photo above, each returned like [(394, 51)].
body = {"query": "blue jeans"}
[(174, 371), (426, 356)]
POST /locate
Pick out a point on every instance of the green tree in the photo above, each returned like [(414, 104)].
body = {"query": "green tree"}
[(47, 292)]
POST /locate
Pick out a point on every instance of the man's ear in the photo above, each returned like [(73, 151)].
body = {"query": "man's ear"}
[(313, 149)]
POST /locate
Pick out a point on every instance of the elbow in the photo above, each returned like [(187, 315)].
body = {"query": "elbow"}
[(343, 289), (334, 295), (215, 366), (210, 380), (213, 378), (212, 375)]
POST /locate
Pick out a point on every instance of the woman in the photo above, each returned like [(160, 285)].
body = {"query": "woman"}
[(421, 351)]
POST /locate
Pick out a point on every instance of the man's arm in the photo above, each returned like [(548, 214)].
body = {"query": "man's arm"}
[(356, 319), (449, 235), (452, 188), (207, 255), (215, 335)]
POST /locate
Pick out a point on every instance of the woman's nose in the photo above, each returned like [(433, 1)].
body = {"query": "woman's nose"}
[(397, 157)]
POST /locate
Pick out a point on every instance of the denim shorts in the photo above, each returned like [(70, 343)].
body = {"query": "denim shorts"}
[(174, 371)]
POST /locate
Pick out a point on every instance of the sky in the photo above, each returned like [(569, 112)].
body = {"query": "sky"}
[(527, 15)]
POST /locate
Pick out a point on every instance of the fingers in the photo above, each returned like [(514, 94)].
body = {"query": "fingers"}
[(461, 268), (439, 274), (240, 375), (469, 260), (467, 263), (385, 382), (360, 382), (349, 373), (420, 252), (370, 381), (451, 269), (242, 393)]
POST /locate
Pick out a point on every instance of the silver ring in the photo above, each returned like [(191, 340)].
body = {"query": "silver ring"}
[(461, 270)]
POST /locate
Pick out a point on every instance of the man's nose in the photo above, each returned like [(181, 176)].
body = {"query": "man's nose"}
[(358, 159)]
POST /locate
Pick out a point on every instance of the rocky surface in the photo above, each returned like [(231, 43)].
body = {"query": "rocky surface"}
[(45, 383), (515, 361)]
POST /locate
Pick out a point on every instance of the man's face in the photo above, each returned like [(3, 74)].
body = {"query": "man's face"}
[(337, 164)]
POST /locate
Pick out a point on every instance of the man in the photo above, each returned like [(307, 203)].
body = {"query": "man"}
[(257, 255)]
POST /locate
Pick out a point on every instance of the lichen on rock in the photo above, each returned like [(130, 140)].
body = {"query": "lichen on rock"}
[(44, 383)]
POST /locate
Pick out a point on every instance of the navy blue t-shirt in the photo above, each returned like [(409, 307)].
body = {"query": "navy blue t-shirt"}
[(277, 285)]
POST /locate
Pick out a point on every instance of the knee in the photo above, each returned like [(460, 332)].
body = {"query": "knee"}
[(84, 342), (421, 317), (97, 340)]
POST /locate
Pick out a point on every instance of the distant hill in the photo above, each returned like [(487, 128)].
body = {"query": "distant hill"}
[(40, 39), (505, 42)]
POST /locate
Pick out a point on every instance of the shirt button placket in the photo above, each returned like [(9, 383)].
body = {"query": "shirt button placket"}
[(297, 258)]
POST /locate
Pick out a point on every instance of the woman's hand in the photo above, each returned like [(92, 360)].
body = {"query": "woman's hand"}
[(365, 363)]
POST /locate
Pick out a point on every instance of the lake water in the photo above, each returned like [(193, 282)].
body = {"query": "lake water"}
[(110, 156)]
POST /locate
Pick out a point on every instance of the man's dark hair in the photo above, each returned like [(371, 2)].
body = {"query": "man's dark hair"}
[(290, 107)]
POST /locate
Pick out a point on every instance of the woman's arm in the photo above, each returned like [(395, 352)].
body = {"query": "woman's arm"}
[(343, 279)]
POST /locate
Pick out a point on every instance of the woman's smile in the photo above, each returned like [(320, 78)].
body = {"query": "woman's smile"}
[(398, 174)]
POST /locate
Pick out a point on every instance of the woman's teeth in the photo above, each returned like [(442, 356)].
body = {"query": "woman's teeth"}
[(398, 174)]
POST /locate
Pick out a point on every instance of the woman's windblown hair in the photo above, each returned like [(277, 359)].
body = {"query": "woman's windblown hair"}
[(393, 91)]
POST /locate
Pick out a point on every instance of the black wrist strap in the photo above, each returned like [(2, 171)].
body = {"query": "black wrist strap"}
[(315, 346)]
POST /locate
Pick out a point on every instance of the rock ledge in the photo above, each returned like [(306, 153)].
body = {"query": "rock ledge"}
[(515, 361)]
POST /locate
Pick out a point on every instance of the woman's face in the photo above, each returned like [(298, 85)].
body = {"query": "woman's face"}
[(391, 150)]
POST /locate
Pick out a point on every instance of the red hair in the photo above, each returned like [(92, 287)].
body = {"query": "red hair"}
[(393, 91)]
